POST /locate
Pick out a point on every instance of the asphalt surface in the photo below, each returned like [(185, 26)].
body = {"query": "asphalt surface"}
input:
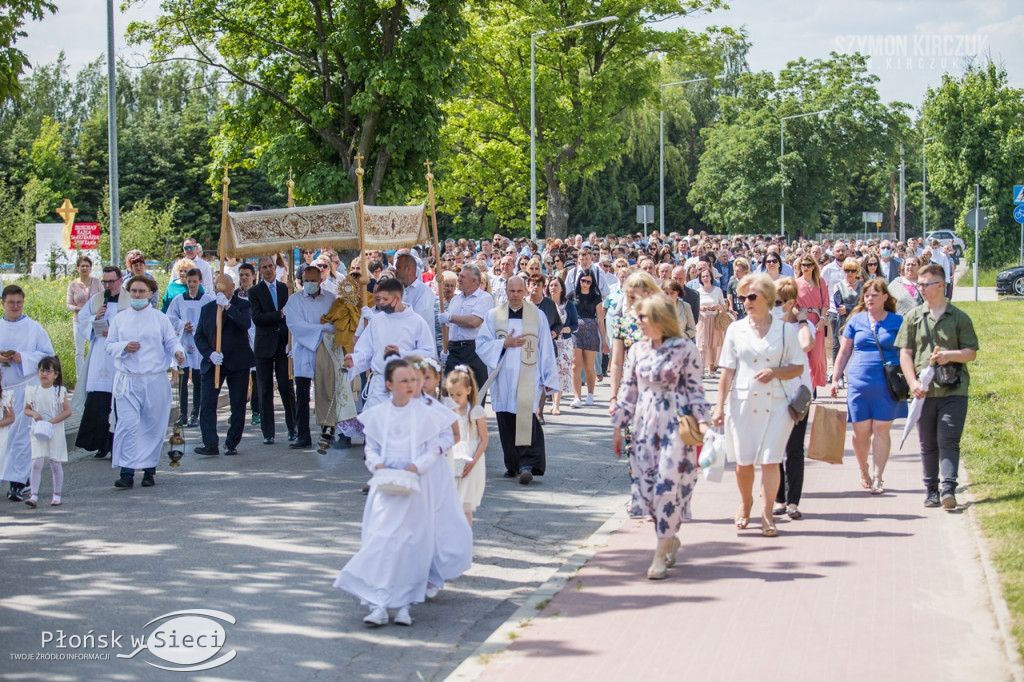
[(261, 537)]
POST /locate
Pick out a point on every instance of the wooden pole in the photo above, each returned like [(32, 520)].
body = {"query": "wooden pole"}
[(437, 257), (225, 181)]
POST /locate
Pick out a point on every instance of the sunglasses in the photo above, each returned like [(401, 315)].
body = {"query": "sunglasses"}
[(848, 270), (749, 297), (321, 266), (925, 285), (586, 281), (807, 265), (190, 248), (870, 264), (772, 262), (778, 304)]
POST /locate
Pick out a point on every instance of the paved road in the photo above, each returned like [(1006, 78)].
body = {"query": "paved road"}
[(262, 536)]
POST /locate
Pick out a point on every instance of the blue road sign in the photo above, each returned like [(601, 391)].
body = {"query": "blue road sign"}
[(1018, 214), (1018, 194)]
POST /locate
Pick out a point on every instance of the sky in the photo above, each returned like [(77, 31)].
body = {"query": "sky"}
[(911, 43)]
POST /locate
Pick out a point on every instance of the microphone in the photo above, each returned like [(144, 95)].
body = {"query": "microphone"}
[(106, 296)]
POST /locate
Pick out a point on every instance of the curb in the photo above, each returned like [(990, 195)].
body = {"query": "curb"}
[(499, 640)]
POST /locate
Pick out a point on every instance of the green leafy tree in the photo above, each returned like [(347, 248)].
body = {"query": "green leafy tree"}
[(316, 82), (585, 80), (976, 121), (13, 61)]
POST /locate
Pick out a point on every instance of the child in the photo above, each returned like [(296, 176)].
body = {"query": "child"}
[(48, 402), (453, 547), (6, 419), (391, 568), (469, 475)]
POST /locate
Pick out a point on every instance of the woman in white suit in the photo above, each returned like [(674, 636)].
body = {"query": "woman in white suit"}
[(758, 355)]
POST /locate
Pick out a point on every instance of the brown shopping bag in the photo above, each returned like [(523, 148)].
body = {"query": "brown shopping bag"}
[(828, 435)]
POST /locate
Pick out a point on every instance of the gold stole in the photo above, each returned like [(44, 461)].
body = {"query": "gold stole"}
[(528, 369)]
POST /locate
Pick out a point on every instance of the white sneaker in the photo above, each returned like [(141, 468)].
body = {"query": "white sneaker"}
[(378, 616), (432, 591), (590, 399), (576, 403), (403, 617)]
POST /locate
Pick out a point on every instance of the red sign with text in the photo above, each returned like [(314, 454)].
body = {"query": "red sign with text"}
[(85, 235)]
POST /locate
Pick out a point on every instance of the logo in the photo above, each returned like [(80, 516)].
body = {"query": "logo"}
[(190, 639)]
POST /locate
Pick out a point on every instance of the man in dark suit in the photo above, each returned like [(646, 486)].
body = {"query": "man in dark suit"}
[(234, 359), (266, 302)]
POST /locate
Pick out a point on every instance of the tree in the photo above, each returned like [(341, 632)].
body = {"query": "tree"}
[(585, 79), (976, 122), (12, 60), (316, 83)]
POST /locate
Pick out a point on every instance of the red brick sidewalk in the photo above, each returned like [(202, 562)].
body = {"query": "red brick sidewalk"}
[(861, 588)]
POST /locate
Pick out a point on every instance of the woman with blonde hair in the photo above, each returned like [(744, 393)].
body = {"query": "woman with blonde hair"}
[(661, 382), (812, 298), (637, 286), (328, 279), (759, 353)]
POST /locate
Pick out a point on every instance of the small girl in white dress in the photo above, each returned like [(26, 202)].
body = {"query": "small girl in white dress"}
[(6, 419), (466, 458), (48, 403)]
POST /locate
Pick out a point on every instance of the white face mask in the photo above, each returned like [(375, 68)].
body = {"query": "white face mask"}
[(311, 288), (139, 303), (777, 313)]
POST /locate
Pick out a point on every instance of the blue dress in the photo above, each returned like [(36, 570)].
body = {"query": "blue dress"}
[(868, 396)]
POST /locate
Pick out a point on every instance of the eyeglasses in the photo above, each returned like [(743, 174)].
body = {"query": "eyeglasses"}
[(43, 370), (749, 297), (772, 261), (108, 282), (778, 304), (307, 253), (850, 270), (925, 285)]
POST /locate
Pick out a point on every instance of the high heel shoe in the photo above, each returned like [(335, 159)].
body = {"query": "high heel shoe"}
[(658, 569), (742, 518), (768, 528), (670, 555)]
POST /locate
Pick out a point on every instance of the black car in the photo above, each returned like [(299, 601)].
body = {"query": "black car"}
[(1011, 281)]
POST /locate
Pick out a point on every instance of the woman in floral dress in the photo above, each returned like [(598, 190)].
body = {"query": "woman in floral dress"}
[(661, 380)]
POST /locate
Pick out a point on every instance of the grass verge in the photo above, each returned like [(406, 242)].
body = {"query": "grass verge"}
[(993, 444), (986, 276)]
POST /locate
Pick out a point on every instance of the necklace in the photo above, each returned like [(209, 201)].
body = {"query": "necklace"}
[(761, 328)]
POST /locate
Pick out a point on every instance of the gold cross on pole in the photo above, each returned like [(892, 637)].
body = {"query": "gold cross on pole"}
[(359, 160), (427, 164), (67, 212)]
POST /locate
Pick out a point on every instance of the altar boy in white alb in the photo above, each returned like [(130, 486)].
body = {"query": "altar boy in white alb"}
[(144, 344), (303, 314), (515, 334), (23, 343), (397, 331)]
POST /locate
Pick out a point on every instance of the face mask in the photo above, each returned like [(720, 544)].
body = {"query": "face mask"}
[(777, 313), (139, 303), (886, 253), (387, 309), (311, 288)]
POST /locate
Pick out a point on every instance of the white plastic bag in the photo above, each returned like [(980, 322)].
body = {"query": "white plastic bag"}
[(712, 456)]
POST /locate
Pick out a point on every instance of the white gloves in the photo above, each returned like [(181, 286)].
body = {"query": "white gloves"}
[(222, 301), (217, 358), (444, 359), (328, 328), (444, 318)]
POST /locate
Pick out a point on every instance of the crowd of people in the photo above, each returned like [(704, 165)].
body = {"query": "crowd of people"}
[(405, 356)]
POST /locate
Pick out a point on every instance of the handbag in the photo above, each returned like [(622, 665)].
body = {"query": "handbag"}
[(395, 481), (947, 375), (899, 389), (722, 320), (689, 429), (828, 435), (800, 404)]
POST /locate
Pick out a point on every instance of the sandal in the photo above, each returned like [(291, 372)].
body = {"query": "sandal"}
[(656, 571), (670, 555), (793, 513), (779, 510), (555, 413), (865, 479), (876, 486), (768, 528), (742, 518)]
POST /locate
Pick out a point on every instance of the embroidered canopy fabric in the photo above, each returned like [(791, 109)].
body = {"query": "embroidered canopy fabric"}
[(257, 233)]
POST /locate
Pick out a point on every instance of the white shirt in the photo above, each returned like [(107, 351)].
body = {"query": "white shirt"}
[(420, 298), (833, 275), (406, 329), (572, 278), (478, 304), (302, 315)]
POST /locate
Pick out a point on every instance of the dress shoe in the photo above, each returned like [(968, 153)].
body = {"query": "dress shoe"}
[(342, 443), (148, 480), (269, 440), (101, 455), (292, 435), (207, 450), (525, 476), (125, 481), (301, 444), (193, 422), (231, 451), (181, 421)]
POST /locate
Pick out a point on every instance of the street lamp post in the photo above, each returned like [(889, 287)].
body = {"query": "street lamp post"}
[(533, 113), (924, 186), (782, 154)]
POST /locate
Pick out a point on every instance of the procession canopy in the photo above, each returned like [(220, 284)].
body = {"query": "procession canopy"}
[(257, 233)]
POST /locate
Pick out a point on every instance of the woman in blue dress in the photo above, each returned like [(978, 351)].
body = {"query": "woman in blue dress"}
[(873, 324)]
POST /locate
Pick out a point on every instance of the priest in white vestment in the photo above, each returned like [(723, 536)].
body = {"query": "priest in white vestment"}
[(516, 335), (93, 394), (398, 331), (302, 314), (143, 343), (23, 343)]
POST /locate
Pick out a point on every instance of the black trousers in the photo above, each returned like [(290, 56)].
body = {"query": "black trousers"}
[(464, 353), (940, 429), (302, 389), (254, 400), (238, 386), (183, 392), (266, 370), (518, 457), (94, 432), (792, 484)]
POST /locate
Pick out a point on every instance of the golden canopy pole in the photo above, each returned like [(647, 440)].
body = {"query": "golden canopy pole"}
[(359, 219), (225, 181), (438, 281), (291, 273)]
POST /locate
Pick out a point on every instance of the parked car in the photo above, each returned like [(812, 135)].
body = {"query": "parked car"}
[(947, 237), (1011, 281)]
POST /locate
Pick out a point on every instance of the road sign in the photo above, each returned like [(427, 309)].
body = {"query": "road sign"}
[(645, 214), (1018, 194), (85, 235), (869, 217), (977, 219), (1018, 214)]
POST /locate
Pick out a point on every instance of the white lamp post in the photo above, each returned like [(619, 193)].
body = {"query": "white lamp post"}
[(533, 115), (924, 186), (782, 154)]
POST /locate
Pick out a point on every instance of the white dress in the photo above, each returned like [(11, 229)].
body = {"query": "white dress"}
[(470, 488), (6, 403), (757, 420), (49, 402)]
